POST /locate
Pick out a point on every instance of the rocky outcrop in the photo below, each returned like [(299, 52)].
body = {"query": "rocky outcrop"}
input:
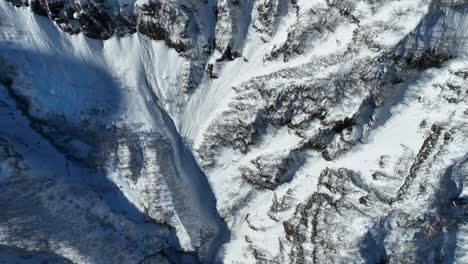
[(264, 172), (320, 229), (274, 101), (313, 22), (234, 18), (267, 16), (163, 20), (339, 197), (94, 18)]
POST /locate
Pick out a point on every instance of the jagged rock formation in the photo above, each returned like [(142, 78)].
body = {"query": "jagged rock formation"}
[(244, 131)]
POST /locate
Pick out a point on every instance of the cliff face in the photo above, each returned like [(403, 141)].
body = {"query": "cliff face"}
[(256, 131)]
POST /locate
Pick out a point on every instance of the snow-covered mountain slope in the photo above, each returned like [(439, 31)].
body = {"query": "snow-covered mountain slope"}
[(234, 131), (100, 112)]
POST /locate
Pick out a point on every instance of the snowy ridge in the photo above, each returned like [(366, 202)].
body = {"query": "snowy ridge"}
[(256, 131)]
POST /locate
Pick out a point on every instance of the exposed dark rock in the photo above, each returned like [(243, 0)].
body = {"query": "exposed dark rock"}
[(228, 54), (155, 20), (427, 149), (265, 172)]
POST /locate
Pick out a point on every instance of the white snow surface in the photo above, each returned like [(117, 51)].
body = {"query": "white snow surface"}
[(123, 76)]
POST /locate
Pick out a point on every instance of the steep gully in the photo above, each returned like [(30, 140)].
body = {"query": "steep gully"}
[(201, 196)]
